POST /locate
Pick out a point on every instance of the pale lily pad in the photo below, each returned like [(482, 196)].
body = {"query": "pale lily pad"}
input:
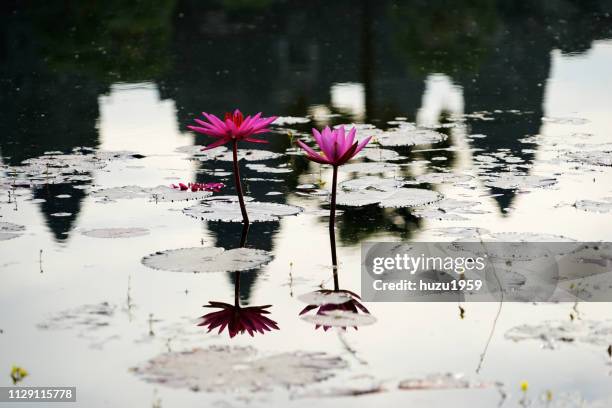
[(207, 259), (319, 298), (61, 214), (595, 158), (262, 168), (527, 237), (398, 198), (443, 381), (290, 120), (409, 135), (371, 183), (8, 230), (369, 167), (565, 121), (594, 206), (10, 227), (229, 211), (442, 178), (410, 197), (231, 369), (155, 194), (380, 155), (115, 232), (340, 318), (510, 181), (551, 333)]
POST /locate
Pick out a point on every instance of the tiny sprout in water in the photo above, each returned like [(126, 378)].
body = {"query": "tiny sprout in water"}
[(18, 374), (549, 395)]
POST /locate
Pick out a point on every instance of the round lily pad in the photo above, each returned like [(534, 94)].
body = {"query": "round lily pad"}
[(207, 259), (115, 232), (229, 211)]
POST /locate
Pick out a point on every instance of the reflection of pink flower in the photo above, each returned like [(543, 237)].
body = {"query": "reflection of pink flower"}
[(337, 147), (353, 306), (234, 127), (238, 319), (214, 187)]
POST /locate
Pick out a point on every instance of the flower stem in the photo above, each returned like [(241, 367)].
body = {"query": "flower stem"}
[(237, 290), (245, 217), (332, 228)]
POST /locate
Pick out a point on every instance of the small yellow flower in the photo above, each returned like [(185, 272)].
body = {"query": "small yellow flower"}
[(548, 395), (524, 386), (18, 374)]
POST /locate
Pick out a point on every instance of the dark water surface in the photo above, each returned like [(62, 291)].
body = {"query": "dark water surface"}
[(519, 88)]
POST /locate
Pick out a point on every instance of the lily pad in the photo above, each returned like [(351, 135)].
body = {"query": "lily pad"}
[(229, 211), (397, 198), (371, 183), (228, 369), (409, 135), (115, 232), (154, 194), (380, 155), (442, 381), (207, 259), (510, 181), (594, 206), (340, 318), (552, 333), (290, 120), (262, 168)]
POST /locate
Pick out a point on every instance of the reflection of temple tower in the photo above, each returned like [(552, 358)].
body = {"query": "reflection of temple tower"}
[(43, 109)]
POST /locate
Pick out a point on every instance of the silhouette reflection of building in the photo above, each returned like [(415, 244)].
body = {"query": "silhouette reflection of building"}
[(279, 58)]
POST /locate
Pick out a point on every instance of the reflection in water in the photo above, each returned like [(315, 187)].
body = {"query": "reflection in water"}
[(54, 69), (340, 308), (236, 318)]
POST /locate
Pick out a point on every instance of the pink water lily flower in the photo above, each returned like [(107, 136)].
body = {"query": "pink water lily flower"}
[(233, 127), (337, 146), (238, 319)]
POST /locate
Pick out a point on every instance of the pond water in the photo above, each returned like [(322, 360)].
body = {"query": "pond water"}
[(513, 113)]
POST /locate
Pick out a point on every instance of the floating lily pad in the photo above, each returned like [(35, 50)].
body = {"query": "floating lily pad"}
[(443, 381), (319, 298), (290, 120), (565, 121), (207, 259), (371, 183), (262, 168), (230, 369), (380, 155), (595, 158), (410, 197), (340, 318), (409, 135), (510, 181), (369, 167), (8, 230), (115, 232), (61, 214), (398, 198), (527, 237), (442, 178), (552, 333), (229, 211), (155, 194), (594, 206)]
